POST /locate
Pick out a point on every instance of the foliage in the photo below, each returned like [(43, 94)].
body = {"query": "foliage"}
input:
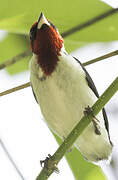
[(17, 17)]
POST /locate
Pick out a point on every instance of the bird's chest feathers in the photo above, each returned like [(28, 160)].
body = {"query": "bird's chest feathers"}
[(65, 84), (61, 96)]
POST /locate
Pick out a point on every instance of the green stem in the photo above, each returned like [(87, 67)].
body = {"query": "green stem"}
[(17, 88), (83, 123), (90, 22), (114, 53), (15, 59)]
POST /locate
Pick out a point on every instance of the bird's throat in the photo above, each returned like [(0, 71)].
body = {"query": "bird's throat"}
[(48, 46), (47, 61)]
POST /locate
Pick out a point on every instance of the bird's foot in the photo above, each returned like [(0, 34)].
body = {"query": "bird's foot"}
[(49, 164), (88, 110)]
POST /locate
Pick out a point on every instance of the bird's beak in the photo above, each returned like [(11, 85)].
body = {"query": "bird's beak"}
[(42, 20)]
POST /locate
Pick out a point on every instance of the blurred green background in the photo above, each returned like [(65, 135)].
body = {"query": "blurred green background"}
[(17, 17)]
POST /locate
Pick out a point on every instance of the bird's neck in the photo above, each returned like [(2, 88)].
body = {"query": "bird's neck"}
[(48, 46), (47, 60)]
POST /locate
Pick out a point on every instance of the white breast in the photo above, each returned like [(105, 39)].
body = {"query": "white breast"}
[(63, 97)]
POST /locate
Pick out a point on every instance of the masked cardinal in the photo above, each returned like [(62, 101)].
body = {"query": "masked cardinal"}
[(63, 89)]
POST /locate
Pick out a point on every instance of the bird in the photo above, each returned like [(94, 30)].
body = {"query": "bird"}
[(64, 89)]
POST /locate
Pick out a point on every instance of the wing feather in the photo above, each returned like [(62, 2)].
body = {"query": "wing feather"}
[(94, 89)]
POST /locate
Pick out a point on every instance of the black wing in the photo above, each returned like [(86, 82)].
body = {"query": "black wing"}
[(92, 86), (34, 93)]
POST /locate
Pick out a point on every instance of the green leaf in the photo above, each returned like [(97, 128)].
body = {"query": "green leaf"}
[(64, 14), (96, 174), (11, 46), (15, 44), (71, 45), (81, 168)]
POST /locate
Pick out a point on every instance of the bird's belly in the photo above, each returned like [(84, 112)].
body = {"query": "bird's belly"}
[(62, 110)]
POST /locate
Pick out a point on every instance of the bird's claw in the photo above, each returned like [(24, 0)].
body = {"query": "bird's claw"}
[(88, 110), (48, 165)]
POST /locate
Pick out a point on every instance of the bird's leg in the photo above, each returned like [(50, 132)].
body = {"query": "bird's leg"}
[(96, 126), (95, 121), (48, 165)]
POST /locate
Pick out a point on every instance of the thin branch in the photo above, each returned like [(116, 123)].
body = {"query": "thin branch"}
[(89, 22), (11, 160), (72, 137), (114, 53), (28, 53), (15, 59), (17, 88)]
